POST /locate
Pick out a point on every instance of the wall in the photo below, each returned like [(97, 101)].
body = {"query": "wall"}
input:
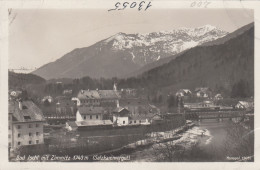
[(24, 133), (120, 121), (80, 117)]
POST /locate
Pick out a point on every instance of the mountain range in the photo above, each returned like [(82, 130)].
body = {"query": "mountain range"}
[(123, 55), (219, 64)]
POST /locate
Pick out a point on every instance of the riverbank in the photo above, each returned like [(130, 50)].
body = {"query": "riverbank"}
[(186, 135)]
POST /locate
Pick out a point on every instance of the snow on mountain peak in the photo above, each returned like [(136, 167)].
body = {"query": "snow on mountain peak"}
[(148, 46)]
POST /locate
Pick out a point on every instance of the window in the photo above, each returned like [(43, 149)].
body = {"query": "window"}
[(37, 141), (9, 127), (85, 117), (123, 122), (18, 135), (135, 121), (9, 136), (90, 116), (96, 116), (130, 122), (18, 143), (9, 144), (30, 126), (30, 134), (37, 133), (140, 121), (19, 127), (26, 118), (37, 125), (30, 142)]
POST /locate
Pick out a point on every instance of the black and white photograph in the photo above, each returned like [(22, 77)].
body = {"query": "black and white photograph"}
[(131, 83)]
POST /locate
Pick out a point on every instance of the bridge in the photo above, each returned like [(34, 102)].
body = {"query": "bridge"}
[(214, 114)]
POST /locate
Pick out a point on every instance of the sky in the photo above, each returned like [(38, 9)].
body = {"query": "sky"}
[(37, 37)]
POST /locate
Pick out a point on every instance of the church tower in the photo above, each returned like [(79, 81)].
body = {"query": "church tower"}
[(115, 87)]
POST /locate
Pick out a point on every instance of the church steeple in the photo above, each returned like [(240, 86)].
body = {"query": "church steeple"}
[(115, 87)]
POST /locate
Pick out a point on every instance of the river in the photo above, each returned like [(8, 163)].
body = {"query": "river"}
[(218, 138)]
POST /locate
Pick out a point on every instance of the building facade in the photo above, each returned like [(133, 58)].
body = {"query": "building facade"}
[(25, 124)]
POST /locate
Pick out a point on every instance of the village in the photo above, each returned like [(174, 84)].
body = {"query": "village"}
[(32, 126)]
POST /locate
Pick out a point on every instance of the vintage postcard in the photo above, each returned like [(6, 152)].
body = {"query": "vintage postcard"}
[(133, 81)]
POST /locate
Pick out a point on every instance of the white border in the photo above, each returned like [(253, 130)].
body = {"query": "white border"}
[(107, 4)]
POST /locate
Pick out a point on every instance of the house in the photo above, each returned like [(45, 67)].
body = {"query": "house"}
[(184, 93), (138, 106), (89, 113), (89, 117), (121, 116), (89, 97), (65, 106), (155, 118), (144, 119), (76, 101), (25, 124), (203, 92), (67, 92), (108, 98), (129, 93), (207, 103), (198, 105), (218, 97), (244, 105), (48, 98)]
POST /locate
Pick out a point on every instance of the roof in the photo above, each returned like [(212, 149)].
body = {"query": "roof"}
[(93, 122), (90, 110), (98, 94), (143, 116), (186, 90), (29, 111), (108, 94), (88, 94), (135, 102), (47, 97), (218, 95), (202, 89), (207, 102), (119, 109), (246, 104)]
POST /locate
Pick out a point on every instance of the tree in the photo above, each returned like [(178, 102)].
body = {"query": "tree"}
[(171, 101), (240, 89), (46, 103)]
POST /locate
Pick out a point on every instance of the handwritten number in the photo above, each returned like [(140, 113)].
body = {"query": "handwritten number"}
[(133, 5), (148, 6), (116, 5), (124, 5), (139, 5), (199, 4)]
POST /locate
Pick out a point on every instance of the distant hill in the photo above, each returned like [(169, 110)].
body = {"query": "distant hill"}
[(218, 64), (122, 53), (19, 80)]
